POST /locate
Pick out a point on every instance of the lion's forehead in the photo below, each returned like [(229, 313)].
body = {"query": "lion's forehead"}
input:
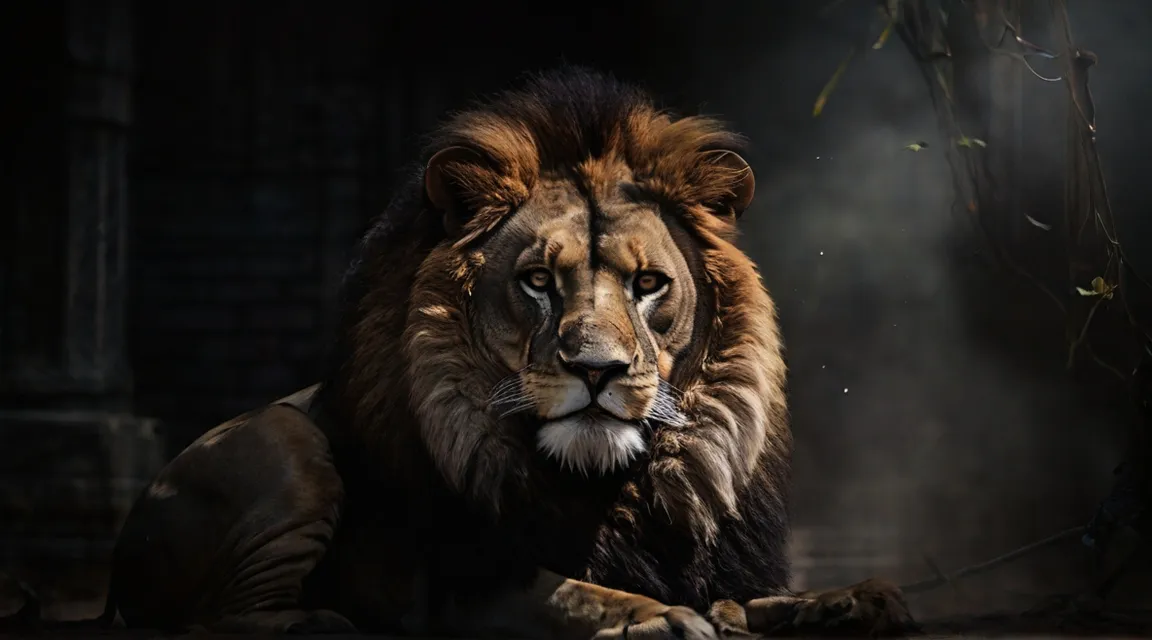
[(569, 229), (556, 193)]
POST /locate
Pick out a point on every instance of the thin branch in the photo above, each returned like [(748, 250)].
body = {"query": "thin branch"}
[(940, 575), (941, 580), (1029, 48), (1083, 333), (1120, 375), (1027, 275)]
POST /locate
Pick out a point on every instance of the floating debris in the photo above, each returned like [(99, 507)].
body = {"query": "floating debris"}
[(1037, 223), (1099, 288)]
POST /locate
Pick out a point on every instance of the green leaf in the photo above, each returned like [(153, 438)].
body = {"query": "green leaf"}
[(943, 82), (884, 34), (1099, 288), (890, 11), (822, 99)]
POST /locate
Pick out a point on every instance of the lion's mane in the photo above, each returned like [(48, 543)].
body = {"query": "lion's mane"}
[(704, 515)]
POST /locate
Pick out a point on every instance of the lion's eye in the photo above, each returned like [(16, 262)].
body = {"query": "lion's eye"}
[(647, 283), (538, 279)]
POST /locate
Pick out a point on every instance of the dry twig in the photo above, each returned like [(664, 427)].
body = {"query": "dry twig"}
[(941, 580)]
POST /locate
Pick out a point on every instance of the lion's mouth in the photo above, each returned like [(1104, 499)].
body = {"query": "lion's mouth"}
[(592, 412), (592, 441)]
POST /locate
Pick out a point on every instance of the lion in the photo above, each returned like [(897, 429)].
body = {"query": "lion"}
[(557, 409)]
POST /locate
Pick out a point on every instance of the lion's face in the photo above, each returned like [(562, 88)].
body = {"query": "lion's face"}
[(588, 306), (569, 255), (582, 234)]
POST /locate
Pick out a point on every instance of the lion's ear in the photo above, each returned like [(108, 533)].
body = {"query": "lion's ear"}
[(442, 181), (742, 185)]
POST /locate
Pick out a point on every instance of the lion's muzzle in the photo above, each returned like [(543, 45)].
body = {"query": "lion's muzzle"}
[(596, 374)]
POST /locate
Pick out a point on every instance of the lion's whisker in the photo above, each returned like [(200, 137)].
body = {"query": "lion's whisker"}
[(506, 388), (517, 409), (507, 395), (671, 389), (510, 400), (505, 385), (514, 380), (665, 407), (514, 406)]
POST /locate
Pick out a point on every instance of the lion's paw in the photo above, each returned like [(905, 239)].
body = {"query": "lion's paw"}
[(872, 607), (729, 620), (664, 623)]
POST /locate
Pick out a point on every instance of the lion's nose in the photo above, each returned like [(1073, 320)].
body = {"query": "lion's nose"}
[(596, 374)]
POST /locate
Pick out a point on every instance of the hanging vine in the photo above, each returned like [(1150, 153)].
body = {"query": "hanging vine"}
[(1097, 293), (940, 34)]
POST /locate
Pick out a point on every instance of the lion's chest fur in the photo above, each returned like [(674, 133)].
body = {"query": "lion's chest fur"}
[(610, 532), (409, 537)]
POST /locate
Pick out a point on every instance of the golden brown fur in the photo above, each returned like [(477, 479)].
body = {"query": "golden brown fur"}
[(557, 410), (732, 379), (587, 178)]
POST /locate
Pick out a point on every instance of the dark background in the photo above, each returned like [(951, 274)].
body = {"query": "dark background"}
[(183, 181)]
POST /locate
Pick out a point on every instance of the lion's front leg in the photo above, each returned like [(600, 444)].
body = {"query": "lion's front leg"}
[(872, 607), (558, 607)]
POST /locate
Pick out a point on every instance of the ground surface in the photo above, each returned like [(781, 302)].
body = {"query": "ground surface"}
[(145, 635), (1054, 619), (82, 596), (1000, 626)]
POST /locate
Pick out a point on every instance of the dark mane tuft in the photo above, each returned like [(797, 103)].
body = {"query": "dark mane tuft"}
[(567, 114), (563, 121)]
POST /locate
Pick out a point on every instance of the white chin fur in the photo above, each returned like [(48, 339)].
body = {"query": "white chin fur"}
[(591, 443)]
